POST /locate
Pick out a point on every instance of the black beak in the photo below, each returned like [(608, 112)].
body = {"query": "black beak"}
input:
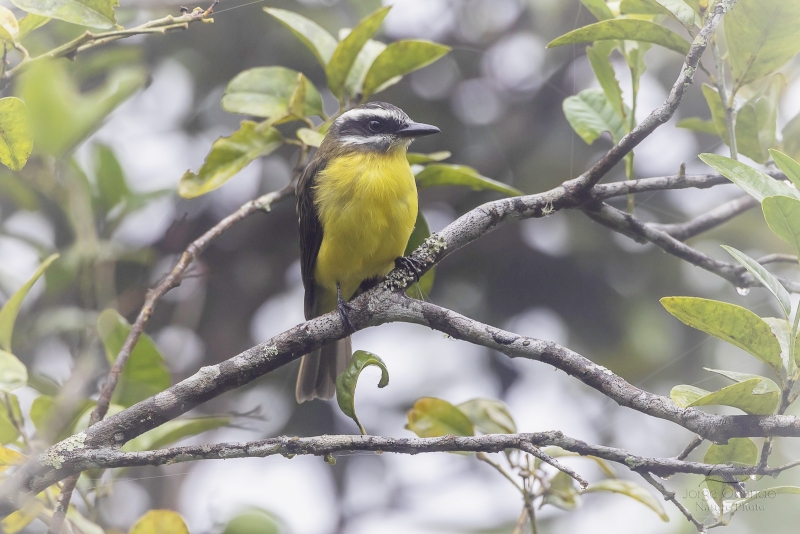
[(417, 129)]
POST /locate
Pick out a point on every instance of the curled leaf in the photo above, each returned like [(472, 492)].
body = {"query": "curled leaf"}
[(347, 380)]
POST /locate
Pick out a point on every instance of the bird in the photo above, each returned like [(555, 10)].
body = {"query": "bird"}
[(357, 207)]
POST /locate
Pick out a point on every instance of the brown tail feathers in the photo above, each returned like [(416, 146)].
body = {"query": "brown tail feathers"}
[(318, 371)]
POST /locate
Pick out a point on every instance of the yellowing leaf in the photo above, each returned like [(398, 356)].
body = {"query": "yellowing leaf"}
[(9, 27), (10, 310), (755, 396), (736, 325), (16, 136), (489, 416), (398, 59), (562, 493), (92, 13), (10, 458), (737, 452), (228, 156), (310, 137), (632, 490), (347, 380), (29, 23), (761, 37), (160, 522), (625, 29), (431, 417)]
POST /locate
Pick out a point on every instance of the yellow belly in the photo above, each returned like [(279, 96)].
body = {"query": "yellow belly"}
[(367, 204)]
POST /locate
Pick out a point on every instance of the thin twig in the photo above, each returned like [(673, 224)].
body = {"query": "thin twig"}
[(709, 220), (696, 442), (546, 458), (670, 496)]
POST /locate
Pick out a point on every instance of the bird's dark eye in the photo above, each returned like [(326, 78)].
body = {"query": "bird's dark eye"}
[(375, 126)]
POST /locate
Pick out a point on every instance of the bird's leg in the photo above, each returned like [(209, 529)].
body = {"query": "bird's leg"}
[(411, 264), (344, 308)]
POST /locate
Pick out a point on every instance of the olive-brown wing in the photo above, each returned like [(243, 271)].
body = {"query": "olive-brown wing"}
[(310, 230)]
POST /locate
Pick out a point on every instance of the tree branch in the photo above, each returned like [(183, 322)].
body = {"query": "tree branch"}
[(640, 232), (90, 40), (707, 221), (670, 496)]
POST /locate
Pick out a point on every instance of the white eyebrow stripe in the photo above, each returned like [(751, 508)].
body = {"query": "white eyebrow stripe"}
[(360, 140), (360, 113)]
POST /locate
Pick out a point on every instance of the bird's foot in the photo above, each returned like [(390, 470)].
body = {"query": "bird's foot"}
[(411, 264), (344, 309)]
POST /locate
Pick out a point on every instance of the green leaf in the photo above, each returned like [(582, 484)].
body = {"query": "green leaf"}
[(590, 114), (61, 116), (310, 137), (344, 57), (677, 9), (16, 137), (632, 490), (265, 92), (29, 23), (415, 158), (145, 373), (10, 310), (764, 277), (51, 422), (446, 174), (160, 522), (9, 27), (109, 177), (755, 183), (489, 416), (347, 380), (761, 37), (431, 417), (8, 432), (598, 8), (756, 396), (791, 137), (319, 41), (562, 493), (92, 13), (737, 452), (358, 72), (253, 521), (756, 121), (781, 329), (13, 373), (604, 72), (175, 430), (397, 60), (736, 325), (696, 124), (783, 217), (625, 29), (421, 232), (788, 165), (717, 108), (228, 156)]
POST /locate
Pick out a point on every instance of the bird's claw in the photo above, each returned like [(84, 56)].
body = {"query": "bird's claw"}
[(344, 308)]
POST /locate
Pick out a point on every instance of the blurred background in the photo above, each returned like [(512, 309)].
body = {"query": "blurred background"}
[(497, 99)]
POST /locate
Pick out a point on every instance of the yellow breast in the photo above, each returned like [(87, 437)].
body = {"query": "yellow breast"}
[(367, 204)]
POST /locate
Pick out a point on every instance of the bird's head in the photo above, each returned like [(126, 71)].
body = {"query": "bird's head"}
[(375, 127)]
